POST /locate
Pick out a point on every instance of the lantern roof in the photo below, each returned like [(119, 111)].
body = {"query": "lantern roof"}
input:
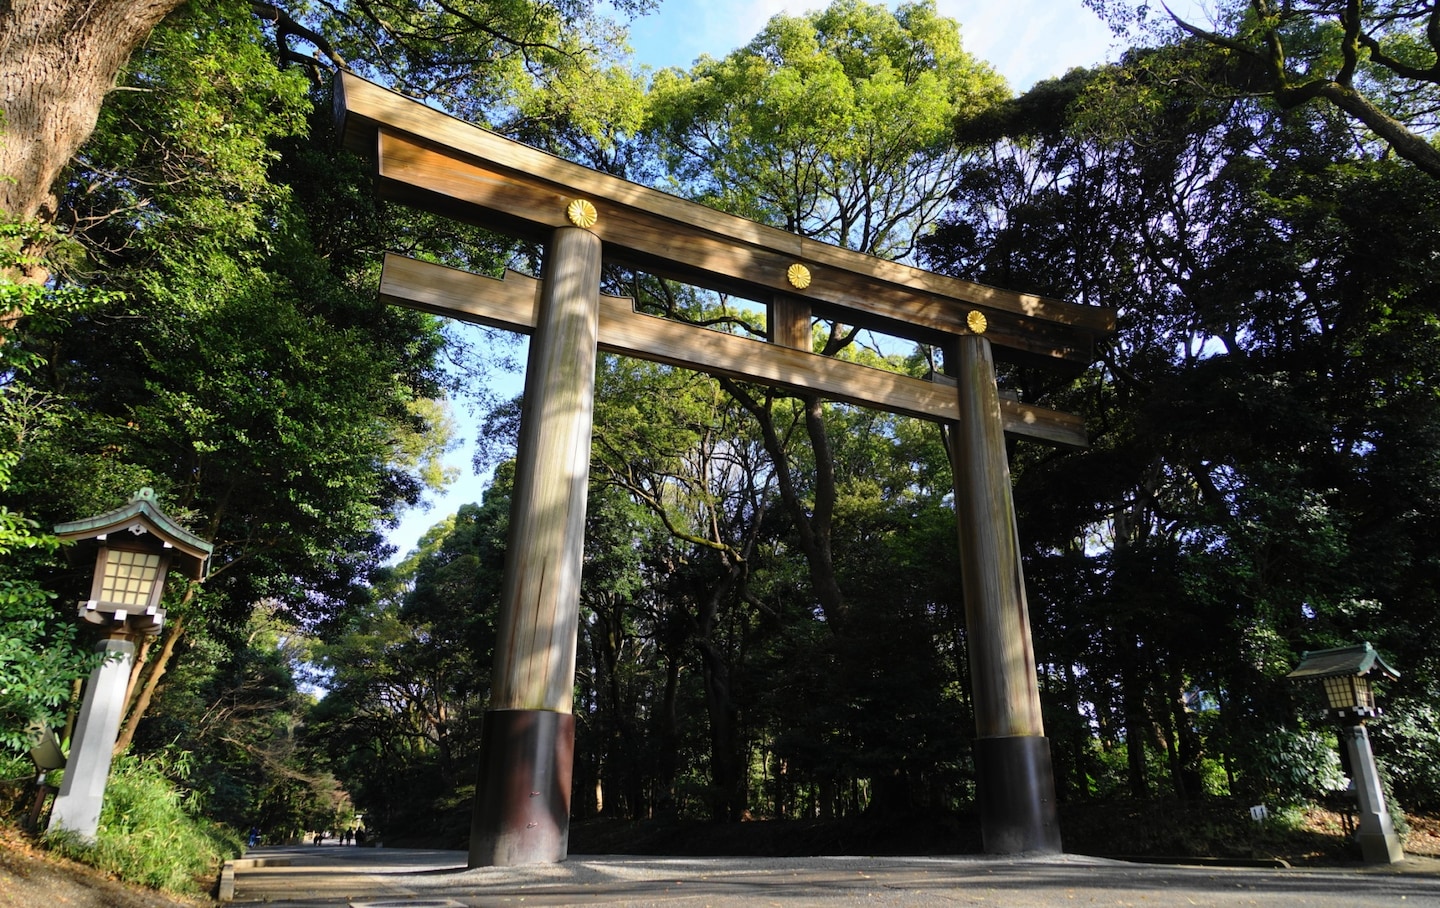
[(141, 516), (1360, 659)]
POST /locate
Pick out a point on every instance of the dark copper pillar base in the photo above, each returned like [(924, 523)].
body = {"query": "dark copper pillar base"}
[(522, 794), (1016, 787)]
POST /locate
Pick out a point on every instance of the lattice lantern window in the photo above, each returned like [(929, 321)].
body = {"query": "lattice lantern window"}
[(135, 547)]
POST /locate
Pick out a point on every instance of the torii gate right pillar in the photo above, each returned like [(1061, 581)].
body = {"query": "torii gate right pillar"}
[(1014, 778)]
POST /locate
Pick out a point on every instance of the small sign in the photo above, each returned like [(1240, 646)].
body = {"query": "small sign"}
[(1259, 813)]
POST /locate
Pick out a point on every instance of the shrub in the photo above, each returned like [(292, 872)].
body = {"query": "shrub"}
[(16, 774), (146, 834), (1407, 745)]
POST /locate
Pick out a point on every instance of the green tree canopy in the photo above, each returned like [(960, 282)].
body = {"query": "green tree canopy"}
[(1224, 519), (835, 124)]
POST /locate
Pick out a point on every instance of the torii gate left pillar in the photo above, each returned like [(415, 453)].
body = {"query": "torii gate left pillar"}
[(522, 796)]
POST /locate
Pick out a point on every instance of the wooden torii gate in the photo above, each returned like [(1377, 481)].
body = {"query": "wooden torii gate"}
[(430, 160)]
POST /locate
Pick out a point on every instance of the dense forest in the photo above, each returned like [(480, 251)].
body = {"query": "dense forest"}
[(771, 625)]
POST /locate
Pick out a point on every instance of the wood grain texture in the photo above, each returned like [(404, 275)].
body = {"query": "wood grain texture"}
[(510, 304), (435, 161), (540, 592), (418, 174), (789, 323), (997, 623)]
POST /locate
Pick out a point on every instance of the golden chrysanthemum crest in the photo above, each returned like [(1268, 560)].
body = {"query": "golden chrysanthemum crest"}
[(582, 213)]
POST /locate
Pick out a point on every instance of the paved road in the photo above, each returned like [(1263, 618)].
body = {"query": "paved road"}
[(329, 877)]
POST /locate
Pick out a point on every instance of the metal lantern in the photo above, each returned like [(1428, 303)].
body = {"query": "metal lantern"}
[(1344, 672)]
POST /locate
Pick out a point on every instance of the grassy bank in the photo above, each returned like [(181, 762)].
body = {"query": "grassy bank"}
[(149, 833)]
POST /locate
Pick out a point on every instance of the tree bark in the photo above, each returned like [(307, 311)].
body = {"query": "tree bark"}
[(668, 734), (722, 712), (158, 668), (58, 59), (1408, 144), (720, 706), (1133, 693), (142, 654), (812, 524)]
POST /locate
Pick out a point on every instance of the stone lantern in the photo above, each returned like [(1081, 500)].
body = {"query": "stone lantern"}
[(1345, 673), (133, 548)]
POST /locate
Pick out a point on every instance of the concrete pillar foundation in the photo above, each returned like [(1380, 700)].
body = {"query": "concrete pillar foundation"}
[(1378, 842)]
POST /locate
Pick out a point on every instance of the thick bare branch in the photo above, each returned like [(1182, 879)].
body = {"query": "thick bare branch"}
[(1399, 67), (1406, 143), (1339, 90), (1350, 44), (286, 28)]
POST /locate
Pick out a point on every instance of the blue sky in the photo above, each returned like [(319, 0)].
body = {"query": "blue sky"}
[(1025, 40)]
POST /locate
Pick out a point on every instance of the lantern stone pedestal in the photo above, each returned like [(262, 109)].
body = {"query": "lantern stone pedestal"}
[(1378, 842), (77, 807), (1345, 672)]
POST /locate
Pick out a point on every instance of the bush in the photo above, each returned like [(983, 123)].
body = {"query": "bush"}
[(1407, 746), (16, 775), (147, 836), (1286, 767)]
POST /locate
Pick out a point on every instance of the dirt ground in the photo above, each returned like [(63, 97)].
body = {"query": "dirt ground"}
[(1424, 836), (1156, 830), (31, 878)]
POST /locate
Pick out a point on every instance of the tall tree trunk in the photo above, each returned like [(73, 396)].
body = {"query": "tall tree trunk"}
[(813, 522), (891, 794), (724, 767), (58, 59), (625, 743), (669, 740), (616, 768), (158, 667), (142, 658), (1165, 731), (1079, 737), (1137, 728), (720, 706), (1188, 781), (827, 798)]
